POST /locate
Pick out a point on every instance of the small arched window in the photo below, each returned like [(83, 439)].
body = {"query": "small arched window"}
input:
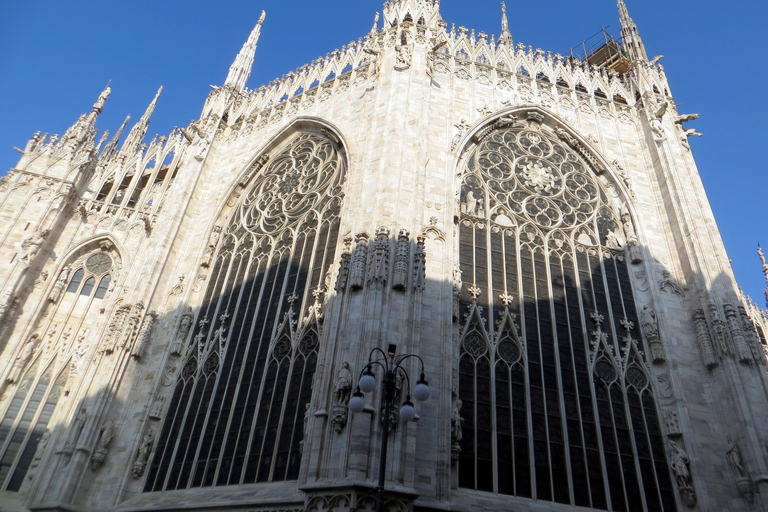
[(77, 278), (88, 286), (103, 286)]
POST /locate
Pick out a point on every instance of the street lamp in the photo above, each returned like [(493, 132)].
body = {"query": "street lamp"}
[(392, 367)]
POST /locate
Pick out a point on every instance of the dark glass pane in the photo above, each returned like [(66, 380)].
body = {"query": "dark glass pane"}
[(101, 291), (88, 286), (77, 278)]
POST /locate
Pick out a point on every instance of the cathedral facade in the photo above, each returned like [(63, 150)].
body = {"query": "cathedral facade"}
[(183, 323)]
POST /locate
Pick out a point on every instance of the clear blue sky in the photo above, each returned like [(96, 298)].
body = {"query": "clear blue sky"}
[(56, 57)]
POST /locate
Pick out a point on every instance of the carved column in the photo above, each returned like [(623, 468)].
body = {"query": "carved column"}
[(145, 335), (704, 340), (357, 273), (378, 267), (737, 335), (402, 255)]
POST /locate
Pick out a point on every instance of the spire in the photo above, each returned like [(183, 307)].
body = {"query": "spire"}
[(765, 270), (109, 149), (633, 43), (241, 68), (506, 35), (139, 130)]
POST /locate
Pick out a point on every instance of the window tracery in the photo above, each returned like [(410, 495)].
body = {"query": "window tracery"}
[(556, 400), (48, 359), (237, 412)]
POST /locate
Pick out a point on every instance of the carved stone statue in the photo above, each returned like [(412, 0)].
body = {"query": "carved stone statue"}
[(213, 242), (99, 105), (41, 444), (673, 423), (680, 464), (21, 361), (378, 269), (306, 428), (419, 265), (404, 57), (649, 322), (61, 284), (142, 456), (743, 478), (181, 335), (342, 388), (456, 422), (99, 455), (31, 246)]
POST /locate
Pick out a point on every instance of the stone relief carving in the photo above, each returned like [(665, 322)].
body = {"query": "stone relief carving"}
[(23, 358), (74, 432), (743, 478), (680, 464), (142, 455), (342, 389), (672, 421), (403, 57), (213, 242), (462, 126), (400, 266), (106, 435), (378, 267), (704, 339), (115, 329), (457, 285), (145, 335), (650, 325), (668, 284), (657, 127), (157, 407), (32, 245), (41, 445), (344, 266), (737, 336), (60, 285), (357, 273), (179, 343), (168, 375), (719, 330), (635, 254), (753, 339)]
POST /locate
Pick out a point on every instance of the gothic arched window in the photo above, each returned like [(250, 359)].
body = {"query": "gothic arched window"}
[(44, 364), (555, 395), (237, 412)]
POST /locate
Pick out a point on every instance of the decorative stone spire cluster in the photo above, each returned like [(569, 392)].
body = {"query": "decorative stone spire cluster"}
[(506, 35), (765, 271), (241, 68), (633, 43), (139, 130), (426, 12)]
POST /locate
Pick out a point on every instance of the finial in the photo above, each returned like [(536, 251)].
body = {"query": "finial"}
[(765, 270), (375, 28), (506, 35), (240, 70), (99, 105)]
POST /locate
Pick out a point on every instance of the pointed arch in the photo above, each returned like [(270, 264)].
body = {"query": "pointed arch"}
[(551, 323), (254, 350)]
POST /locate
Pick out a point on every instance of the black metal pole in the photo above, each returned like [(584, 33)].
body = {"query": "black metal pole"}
[(385, 409)]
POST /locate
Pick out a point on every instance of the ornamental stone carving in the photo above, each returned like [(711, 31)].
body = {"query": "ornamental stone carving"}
[(456, 423), (342, 389), (115, 329), (378, 265), (142, 455), (23, 358), (210, 250), (672, 422), (650, 326), (704, 339), (41, 444), (419, 265), (679, 462), (60, 285), (400, 267), (157, 408), (106, 435), (145, 335), (75, 430), (179, 343), (344, 266), (359, 261), (734, 326), (719, 330), (743, 478), (32, 245)]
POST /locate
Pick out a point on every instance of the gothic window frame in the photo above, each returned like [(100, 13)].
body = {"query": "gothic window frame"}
[(48, 372), (249, 248), (522, 208)]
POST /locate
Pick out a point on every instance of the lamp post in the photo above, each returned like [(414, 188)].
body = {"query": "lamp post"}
[(392, 367)]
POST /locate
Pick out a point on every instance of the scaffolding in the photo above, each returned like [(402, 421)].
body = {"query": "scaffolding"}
[(602, 50)]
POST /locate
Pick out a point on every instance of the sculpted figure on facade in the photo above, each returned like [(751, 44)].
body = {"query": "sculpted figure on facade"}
[(635, 254), (743, 478), (344, 266), (680, 464), (420, 265), (106, 434), (400, 267), (75, 430), (210, 250), (359, 260), (650, 326), (32, 245), (145, 335), (142, 455), (378, 268), (342, 389), (456, 435), (185, 325), (737, 335), (457, 285), (115, 329), (719, 330), (23, 358), (673, 423), (60, 285)]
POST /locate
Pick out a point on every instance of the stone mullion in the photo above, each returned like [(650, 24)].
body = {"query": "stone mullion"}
[(556, 350), (491, 344), (650, 445)]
